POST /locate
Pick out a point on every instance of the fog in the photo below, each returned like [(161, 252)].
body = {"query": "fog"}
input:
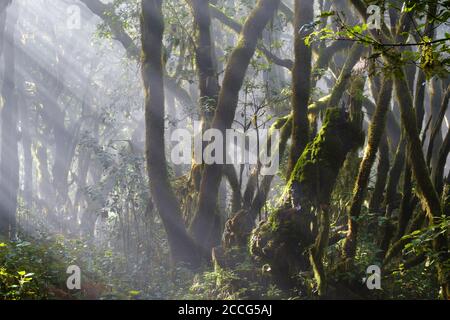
[(73, 130)]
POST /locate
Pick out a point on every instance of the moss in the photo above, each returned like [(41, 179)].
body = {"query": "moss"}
[(316, 171), (280, 242), (284, 239)]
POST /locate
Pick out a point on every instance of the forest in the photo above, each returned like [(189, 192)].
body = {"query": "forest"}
[(224, 149)]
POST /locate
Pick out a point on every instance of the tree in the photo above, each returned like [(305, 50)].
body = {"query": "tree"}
[(152, 29), (301, 81), (206, 225), (9, 158)]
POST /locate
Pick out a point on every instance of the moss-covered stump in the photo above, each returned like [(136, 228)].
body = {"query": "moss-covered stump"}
[(315, 173), (281, 242)]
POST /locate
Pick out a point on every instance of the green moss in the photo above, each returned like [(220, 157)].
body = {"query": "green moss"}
[(280, 242), (316, 171)]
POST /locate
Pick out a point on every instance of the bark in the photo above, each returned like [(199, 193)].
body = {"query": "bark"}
[(255, 202), (438, 172), (233, 181), (376, 201), (427, 193), (206, 225), (9, 156), (406, 208), (3, 6), (436, 136), (394, 177), (301, 83), (45, 187), (325, 56), (419, 97), (346, 73), (376, 130), (237, 27), (152, 29), (205, 59)]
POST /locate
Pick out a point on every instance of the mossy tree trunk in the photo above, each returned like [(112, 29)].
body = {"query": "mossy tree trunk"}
[(376, 201), (152, 29), (426, 191), (354, 55), (436, 99), (375, 134), (205, 59), (301, 81), (314, 177), (435, 142), (438, 171)]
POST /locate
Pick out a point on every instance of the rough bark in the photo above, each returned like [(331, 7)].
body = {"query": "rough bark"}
[(427, 193), (376, 201), (152, 29), (205, 59), (301, 82), (376, 130), (436, 135)]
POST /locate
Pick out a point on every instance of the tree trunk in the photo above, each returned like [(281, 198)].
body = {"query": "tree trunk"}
[(427, 193), (375, 134), (9, 156), (205, 59), (376, 200), (206, 228), (3, 5), (152, 29), (301, 82)]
